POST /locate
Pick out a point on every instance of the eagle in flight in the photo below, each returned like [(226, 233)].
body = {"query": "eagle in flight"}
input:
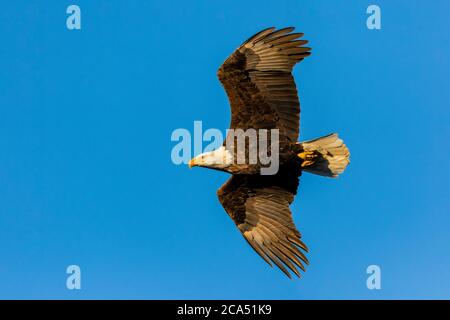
[(258, 80)]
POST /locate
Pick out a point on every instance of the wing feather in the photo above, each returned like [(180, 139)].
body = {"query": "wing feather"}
[(259, 205), (259, 84)]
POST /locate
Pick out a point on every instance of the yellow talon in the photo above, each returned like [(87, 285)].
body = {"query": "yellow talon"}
[(307, 157), (307, 163), (303, 155)]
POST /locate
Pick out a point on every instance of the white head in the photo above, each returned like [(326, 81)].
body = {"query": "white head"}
[(220, 158)]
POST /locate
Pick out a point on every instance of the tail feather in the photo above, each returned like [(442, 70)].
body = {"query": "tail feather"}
[(326, 156)]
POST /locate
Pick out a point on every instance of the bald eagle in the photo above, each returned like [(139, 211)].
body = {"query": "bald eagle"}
[(262, 93)]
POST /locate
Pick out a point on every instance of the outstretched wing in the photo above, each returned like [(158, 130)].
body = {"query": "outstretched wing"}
[(259, 84), (259, 206)]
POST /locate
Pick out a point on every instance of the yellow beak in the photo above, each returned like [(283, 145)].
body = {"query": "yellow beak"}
[(192, 163)]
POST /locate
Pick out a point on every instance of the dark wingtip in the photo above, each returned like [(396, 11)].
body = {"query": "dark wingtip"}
[(256, 35)]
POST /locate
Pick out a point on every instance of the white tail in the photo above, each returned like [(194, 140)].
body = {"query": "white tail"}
[(327, 156)]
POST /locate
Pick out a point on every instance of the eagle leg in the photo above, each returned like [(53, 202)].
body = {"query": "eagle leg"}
[(308, 158)]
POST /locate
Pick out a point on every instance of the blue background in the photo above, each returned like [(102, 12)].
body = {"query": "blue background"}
[(86, 175)]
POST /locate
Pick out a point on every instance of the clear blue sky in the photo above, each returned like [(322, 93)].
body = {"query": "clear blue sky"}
[(86, 176)]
